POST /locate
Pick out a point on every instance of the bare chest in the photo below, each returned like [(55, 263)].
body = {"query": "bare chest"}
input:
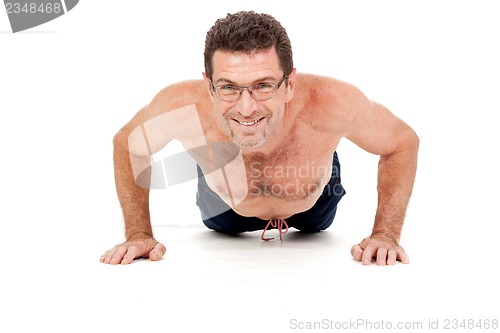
[(278, 182), (276, 185)]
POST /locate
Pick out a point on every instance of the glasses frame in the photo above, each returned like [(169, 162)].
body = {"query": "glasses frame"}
[(242, 88)]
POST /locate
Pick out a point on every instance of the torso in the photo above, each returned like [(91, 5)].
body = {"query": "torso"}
[(279, 183)]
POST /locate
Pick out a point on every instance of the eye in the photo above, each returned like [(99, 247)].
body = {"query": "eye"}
[(263, 86), (228, 88)]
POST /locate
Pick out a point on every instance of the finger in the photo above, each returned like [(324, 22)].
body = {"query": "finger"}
[(368, 255), (356, 252), (157, 252), (109, 254), (117, 257), (382, 256), (103, 257), (401, 255), (391, 257), (130, 255)]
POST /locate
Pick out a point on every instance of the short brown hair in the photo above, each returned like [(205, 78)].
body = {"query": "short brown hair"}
[(248, 31)]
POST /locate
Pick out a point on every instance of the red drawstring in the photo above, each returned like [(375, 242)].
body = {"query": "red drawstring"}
[(275, 224)]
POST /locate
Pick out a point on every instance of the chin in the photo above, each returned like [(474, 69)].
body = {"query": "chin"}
[(249, 142)]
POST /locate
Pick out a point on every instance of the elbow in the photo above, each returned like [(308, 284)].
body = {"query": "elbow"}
[(415, 140), (409, 139), (120, 139), (412, 140), (118, 136), (409, 143)]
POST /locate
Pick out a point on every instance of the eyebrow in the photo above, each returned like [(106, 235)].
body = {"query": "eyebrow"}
[(262, 79)]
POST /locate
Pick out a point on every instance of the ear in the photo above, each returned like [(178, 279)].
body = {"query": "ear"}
[(290, 88), (208, 84)]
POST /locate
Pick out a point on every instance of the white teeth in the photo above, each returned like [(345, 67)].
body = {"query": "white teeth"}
[(249, 123)]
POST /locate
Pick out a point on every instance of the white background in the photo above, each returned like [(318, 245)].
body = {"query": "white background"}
[(67, 86)]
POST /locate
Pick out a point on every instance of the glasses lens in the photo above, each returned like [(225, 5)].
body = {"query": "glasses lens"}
[(263, 90), (228, 92)]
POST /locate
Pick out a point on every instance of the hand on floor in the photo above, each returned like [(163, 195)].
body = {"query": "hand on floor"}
[(126, 252), (383, 249)]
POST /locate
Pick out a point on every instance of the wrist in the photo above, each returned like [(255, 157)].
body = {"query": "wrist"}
[(386, 234), (139, 234)]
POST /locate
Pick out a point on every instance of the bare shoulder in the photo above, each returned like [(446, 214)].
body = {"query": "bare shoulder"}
[(178, 95), (325, 88), (172, 114), (331, 102)]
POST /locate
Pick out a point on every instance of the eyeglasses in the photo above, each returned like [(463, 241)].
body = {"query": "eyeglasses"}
[(259, 91)]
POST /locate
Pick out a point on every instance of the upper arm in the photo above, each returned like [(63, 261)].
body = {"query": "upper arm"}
[(172, 114), (372, 126)]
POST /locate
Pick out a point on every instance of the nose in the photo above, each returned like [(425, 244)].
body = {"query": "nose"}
[(246, 104)]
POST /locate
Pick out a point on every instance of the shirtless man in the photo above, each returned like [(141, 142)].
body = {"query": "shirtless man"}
[(264, 138)]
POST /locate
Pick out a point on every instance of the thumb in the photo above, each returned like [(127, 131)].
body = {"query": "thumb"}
[(157, 252), (357, 252)]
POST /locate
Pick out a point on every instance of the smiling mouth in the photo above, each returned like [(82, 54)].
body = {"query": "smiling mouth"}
[(248, 123)]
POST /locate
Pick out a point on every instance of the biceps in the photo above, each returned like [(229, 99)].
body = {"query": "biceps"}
[(145, 136), (378, 131), (151, 136)]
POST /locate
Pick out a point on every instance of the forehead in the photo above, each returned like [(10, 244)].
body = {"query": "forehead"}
[(246, 66)]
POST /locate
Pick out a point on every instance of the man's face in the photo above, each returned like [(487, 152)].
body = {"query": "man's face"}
[(249, 121)]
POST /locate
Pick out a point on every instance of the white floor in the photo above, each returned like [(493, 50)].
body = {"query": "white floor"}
[(67, 87)]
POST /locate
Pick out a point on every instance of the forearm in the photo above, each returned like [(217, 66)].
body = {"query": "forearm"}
[(134, 200), (396, 175)]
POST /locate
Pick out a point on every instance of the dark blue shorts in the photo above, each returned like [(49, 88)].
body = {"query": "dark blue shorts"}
[(217, 215)]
